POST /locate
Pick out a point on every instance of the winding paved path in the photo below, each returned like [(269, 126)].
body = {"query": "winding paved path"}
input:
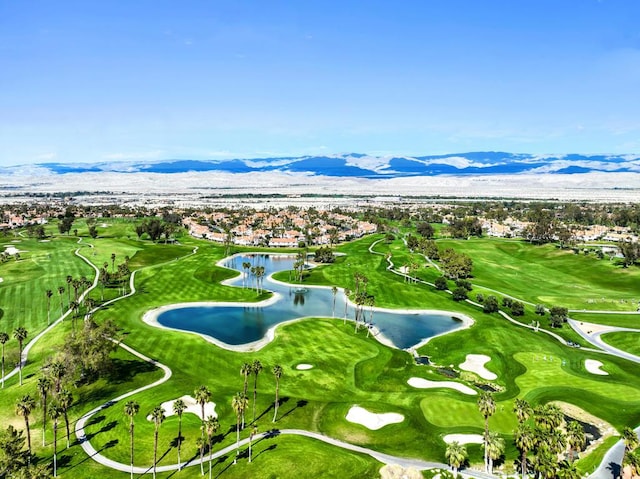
[(32, 343), (608, 469)]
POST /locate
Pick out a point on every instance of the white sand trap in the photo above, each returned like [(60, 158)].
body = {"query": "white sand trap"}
[(45, 241), (421, 383), (12, 250), (1, 280), (371, 420), (594, 367), (464, 438), (192, 407), (16, 241), (304, 367), (475, 364)]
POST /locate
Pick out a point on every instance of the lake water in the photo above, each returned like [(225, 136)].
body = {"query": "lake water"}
[(237, 325)]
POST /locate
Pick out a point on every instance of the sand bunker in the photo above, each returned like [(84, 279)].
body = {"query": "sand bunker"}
[(304, 367), (475, 364), (1, 280), (421, 383), (464, 438), (594, 367), (191, 407), (371, 420), (12, 250)]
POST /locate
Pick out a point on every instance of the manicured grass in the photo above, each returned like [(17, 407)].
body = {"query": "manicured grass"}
[(622, 320), (626, 341), (548, 275), (42, 266), (349, 369)]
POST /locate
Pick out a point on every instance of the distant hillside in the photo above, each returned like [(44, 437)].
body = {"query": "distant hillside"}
[(357, 165)]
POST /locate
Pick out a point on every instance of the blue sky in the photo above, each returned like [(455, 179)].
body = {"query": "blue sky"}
[(117, 80)]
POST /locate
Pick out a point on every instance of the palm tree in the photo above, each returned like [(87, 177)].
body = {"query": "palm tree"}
[(69, 281), (245, 371), (256, 367), (456, 455), (347, 292), (202, 396), (246, 266), (131, 408), (334, 291), (54, 412), (631, 442), (44, 385), (65, 400), (254, 431), (525, 440), (20, 334), (211, 426), (633, 460), (568, 470), (48, 294), (178, 408), (24, 406), (487, 407), (522, 409), (548, 417), (545, 462), (157, 415), (239, 404), (57, 371), (575, 438), (277, 372), (4, 337), (200, 442), (495, 449), (60, 293), (113, 262)]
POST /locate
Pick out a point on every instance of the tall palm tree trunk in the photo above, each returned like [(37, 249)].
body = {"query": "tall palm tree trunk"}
[(55, 448), (486, 444), (66, 421), (131, 435), (179, 439), (26, 425), (155, 451)]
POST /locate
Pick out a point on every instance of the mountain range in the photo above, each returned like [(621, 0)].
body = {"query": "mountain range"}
[(356, 165)]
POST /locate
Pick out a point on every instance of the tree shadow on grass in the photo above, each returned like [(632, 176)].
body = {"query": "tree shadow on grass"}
[(125, 370), (301, 403), (108, 445), (107, 427), (270, 408), (95, 420)]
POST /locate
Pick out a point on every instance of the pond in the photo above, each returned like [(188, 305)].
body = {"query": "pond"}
[(246, 323)]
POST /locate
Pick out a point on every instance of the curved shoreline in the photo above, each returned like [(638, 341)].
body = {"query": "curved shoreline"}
[(150, 317)]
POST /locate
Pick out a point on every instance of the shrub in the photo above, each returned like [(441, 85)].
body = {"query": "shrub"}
[(517, 308), (459, 294), (490, 305), (441, 283)]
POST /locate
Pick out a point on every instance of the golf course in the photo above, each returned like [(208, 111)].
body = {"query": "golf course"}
[(323, 395)]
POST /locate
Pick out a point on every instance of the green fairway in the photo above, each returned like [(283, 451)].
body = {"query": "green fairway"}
[(621, 320), (626, 341), (348, 369), (549, 275)]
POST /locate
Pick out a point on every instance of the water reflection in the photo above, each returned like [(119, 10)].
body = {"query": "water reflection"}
[(244, 324)]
